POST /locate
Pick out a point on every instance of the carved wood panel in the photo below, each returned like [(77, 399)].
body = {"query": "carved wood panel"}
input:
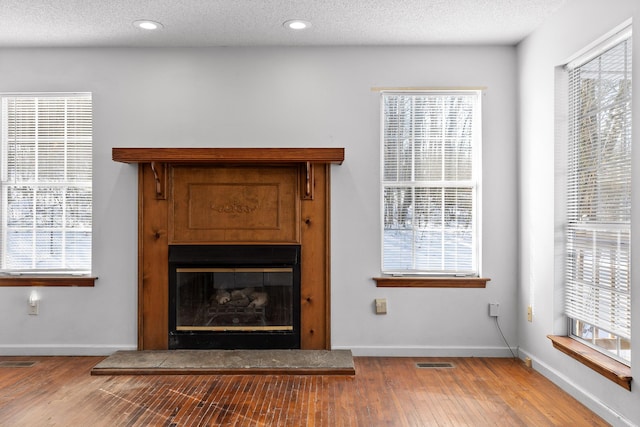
[(234, 204)]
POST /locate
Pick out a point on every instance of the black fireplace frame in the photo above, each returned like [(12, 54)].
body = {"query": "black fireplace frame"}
[(234, 256)]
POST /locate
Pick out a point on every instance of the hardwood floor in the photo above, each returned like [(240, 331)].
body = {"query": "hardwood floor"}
[(58, 391)]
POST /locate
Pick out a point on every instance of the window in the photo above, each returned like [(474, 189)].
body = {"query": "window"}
[(598, 218), (430, 178), (45, 173)]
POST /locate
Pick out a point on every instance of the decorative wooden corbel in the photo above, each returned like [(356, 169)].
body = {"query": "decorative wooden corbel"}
[(160, 176), (308, 181)]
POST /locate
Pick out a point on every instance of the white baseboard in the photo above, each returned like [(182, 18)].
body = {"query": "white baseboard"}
[(62, 350), (424, 351), (580, 394)]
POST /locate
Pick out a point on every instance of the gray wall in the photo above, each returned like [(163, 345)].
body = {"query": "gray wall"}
[(275, 97), (574, 27), (224, 97)]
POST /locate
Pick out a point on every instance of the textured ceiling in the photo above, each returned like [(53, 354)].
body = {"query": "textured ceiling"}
[(194, 23)]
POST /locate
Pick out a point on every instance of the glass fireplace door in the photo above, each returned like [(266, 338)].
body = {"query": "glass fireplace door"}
[(234, 296), (234, 299)]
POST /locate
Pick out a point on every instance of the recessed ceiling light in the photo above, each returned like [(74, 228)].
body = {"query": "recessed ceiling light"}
[(296, 24), (146, 24)]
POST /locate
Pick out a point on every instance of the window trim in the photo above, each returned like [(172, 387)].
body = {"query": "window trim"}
[(599, 361), (592, 229), (431, 282), (47, 281), (606, 366), (46, 277), (475, 184)]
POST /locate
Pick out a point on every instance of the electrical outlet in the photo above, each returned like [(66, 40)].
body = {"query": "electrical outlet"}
[(33, 307), (530, 313), (494, 309), (381, 305)]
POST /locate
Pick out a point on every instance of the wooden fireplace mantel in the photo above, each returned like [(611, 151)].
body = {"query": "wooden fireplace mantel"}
[(177, 188), (159, 158), (228, 155)]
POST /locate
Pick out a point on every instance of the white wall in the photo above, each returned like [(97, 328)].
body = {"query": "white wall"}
[(315, 97), (575, 26)]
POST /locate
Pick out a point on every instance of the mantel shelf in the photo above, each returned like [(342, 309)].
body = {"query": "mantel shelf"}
[(228, 155)]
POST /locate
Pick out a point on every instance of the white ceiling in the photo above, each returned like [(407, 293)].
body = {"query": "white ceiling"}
[(194, 23)]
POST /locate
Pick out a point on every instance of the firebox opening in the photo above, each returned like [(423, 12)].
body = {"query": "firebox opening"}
[(234, 297)]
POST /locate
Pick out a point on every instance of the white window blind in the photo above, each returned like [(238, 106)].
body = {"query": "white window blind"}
[(599, 192), (46, 174), (430, 167)]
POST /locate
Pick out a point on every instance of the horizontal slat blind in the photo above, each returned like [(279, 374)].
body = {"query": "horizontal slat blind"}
[(599, 192), (46, 183), (429, 182)]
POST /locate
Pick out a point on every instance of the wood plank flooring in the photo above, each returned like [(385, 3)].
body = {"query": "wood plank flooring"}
[(59, 391)]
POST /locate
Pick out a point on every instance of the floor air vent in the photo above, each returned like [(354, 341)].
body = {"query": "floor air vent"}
[(16, 364), (428, 365)]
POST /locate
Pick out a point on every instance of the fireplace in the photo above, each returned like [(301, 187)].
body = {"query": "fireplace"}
[(234, 296), (192, 201)]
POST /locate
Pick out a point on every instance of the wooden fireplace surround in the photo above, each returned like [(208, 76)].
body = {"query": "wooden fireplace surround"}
[(215, 196)]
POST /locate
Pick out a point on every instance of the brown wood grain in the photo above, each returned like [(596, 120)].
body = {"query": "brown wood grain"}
[(228, 155), (431, 282), (153, 265), (301, 220), (44, 280), (605, 366), (315, 280), (220, 204), (384, 392)]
